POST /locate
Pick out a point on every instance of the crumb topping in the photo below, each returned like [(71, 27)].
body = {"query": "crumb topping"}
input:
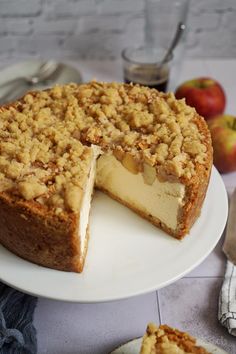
[(45, 138), (167, 340)]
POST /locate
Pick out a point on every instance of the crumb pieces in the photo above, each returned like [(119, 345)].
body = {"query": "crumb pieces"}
[(31, 189), (44, 137), (73, 197)]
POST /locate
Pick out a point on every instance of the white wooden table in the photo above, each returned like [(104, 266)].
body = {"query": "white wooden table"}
[(190, 304)]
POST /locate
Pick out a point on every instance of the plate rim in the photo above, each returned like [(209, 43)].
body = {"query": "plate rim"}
[(133, 293), (199, 341)]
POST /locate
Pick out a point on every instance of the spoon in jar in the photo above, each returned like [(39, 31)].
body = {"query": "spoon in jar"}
[(178, 34)]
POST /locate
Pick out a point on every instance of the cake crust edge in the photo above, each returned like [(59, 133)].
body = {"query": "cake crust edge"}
[(40, 237)]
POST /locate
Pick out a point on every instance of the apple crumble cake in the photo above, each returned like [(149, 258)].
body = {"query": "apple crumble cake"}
[(144, 148)]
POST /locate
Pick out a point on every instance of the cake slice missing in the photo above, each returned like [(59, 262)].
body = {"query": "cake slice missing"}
[(167, 340)]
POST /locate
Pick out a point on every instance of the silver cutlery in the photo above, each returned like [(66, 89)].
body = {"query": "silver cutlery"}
[(179, 32), (47, 72), (44, 73)]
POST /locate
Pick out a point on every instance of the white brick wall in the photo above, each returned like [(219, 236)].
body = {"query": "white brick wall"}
[(101, 28), (20, 8)]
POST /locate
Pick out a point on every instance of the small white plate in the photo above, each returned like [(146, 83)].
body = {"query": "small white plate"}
[(67, 74), (127, 255), (134, 346)]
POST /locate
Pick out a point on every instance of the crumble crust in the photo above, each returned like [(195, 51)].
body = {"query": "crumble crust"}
[(45, 138)]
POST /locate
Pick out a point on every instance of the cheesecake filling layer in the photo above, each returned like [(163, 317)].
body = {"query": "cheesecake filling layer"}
[(162, 200), (86, 201)]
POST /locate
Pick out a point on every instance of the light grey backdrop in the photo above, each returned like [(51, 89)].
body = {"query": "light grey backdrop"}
[(102, 28)]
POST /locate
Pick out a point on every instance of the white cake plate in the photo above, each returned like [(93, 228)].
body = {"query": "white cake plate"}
[(127, 255), (134, 346)]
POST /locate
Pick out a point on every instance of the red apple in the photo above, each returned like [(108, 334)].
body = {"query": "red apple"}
[(223, 134), (206, 95)]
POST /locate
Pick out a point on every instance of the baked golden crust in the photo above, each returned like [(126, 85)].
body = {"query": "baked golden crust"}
[(39, 236), (167, 340), (196, 187), (45, 156)]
